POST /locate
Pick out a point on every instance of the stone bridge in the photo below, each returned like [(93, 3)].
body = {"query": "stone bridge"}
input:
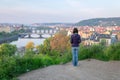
[(40, 32)]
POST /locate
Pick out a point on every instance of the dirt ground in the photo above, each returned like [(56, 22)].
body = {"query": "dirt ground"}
[(86, 70)]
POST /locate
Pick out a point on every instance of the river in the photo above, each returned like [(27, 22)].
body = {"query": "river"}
[(21, 42)]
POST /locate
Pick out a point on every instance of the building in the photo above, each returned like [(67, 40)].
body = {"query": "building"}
[(69, 33), (114, 38), (98, 38), (7, 29)]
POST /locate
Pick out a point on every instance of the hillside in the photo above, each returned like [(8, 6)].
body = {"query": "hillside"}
[(100, 22), (87, 70)]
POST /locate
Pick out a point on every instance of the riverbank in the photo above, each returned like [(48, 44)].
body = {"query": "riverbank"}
[(87, 70), (9, 39)]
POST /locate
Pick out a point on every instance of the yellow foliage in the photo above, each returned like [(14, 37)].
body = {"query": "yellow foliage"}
[(37, 47), (60, 42), (30, 45)]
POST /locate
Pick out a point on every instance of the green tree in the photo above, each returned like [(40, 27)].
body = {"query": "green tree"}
[(7, 49), (44, 48)]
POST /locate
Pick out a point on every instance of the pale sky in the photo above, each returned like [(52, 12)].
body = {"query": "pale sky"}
[(46, 11)]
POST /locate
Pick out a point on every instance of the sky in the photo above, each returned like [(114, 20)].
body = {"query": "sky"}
[(54, 11)]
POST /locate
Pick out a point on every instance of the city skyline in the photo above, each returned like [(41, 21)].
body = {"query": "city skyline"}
[(47, 11)]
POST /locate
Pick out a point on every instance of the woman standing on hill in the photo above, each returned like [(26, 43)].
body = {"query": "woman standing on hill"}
[(75, 41)]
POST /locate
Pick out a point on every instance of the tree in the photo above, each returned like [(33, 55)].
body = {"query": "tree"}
[(56, 45), (47, 44), (60, 42), (30, 45), (7, 49), (44, 48)]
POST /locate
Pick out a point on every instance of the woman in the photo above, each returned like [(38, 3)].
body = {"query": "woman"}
[(75, 41)]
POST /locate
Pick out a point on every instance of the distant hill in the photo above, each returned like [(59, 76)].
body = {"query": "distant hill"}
[(100, 22)]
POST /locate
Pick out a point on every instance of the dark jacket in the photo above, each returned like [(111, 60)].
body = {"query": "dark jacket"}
[(75, 40)]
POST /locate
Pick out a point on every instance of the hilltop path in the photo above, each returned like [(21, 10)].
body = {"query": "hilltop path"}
[(86, 70)]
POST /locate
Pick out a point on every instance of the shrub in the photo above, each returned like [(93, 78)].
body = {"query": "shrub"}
[(101, 56), (47, 60), (83, 53), (13, 66), (113, 51), (7, 67), (66, 57), (94, 51)]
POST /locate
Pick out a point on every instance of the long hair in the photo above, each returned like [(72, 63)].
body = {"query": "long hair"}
[(75, 30)]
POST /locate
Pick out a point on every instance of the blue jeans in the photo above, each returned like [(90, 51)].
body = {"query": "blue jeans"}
[(75, 55)]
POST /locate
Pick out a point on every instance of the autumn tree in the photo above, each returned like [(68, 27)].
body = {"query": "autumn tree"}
[(30, 45), (57, 44), (60, 42)]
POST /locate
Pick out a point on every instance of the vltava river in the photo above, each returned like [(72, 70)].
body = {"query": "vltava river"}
[(21, 42)]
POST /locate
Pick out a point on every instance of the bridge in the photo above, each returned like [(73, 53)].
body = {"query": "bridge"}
[(39, 32)]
